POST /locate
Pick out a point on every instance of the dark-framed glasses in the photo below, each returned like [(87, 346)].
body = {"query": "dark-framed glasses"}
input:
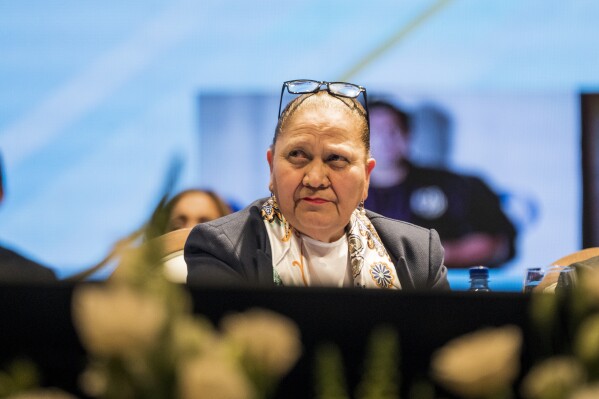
[(341, 89)]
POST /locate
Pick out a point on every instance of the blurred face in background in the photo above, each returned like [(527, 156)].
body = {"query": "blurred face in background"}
[(191, 209), (388, 142), (319, 167)]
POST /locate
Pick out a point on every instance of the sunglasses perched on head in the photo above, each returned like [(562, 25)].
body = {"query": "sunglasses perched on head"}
[(305, 86)]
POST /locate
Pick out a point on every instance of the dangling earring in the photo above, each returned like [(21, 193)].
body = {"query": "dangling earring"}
[(361, 208), (277, 212)]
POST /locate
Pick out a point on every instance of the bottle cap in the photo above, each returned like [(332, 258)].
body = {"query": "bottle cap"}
[(479, 272)]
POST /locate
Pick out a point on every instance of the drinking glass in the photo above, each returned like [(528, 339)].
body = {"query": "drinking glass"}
[(567, 279), (534, 275)]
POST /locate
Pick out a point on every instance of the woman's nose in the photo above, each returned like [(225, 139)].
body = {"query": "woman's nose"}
[(316, 176)]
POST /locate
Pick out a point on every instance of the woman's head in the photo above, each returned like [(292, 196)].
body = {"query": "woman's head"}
[(354, 108), (319, 163), (186, 209)]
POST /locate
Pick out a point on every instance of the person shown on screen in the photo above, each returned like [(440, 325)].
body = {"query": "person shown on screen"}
[(314, 230), (463, 209), (16, 268)]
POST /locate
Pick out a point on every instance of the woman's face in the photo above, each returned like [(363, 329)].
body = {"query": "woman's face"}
[(191, 209), (319, 170)]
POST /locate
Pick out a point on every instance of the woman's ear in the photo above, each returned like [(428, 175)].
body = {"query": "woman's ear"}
[(370, 164), (269, 157)]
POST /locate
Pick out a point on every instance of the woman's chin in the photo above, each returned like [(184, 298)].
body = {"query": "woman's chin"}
[(321, 231)]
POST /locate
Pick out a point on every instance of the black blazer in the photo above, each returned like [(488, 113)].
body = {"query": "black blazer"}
[(15, 268), (235, 249)]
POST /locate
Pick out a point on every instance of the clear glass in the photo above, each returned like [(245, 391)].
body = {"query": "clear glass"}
[(533, 277), (302, 86), (567, 279), (345, 89)]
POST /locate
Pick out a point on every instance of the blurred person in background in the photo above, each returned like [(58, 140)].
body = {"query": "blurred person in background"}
[(16, 268), (185, 210), (463, 209), (166, 230), (172, 221)]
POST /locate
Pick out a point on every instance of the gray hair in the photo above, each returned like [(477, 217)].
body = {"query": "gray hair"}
[(322, 100)]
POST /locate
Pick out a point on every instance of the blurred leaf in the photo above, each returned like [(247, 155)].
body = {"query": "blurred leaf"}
[(380, 379), (329, 374), (21, 375)]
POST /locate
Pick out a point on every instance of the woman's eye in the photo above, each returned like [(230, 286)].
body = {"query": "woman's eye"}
[(297, 155), (337, 160), (176, 224)]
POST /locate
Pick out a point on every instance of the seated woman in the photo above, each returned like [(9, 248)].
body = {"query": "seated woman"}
[(171, 222), (167, 230), (314, 230), (185, 210)]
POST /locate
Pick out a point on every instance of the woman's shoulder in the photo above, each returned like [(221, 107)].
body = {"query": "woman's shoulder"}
[(234, 236), (390, 225), (235, 223), (418, 246)]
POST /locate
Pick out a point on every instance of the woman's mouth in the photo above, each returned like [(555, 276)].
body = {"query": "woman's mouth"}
[(315, 200)]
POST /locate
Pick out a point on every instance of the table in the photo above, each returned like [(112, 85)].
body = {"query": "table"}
[(35, 322)]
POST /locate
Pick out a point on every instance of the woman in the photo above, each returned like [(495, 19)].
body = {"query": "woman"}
[(313, 230), (169, 226), (185, 210)]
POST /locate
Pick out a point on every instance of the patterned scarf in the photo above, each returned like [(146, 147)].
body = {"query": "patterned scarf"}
[(370, 263)]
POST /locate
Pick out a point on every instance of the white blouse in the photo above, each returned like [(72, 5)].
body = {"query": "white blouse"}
[(328, 262)]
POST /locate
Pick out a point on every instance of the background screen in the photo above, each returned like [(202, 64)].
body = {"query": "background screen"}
[(101, 101)]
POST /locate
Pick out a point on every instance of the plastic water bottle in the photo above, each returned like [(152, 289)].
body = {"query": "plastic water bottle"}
[(479, 279)]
